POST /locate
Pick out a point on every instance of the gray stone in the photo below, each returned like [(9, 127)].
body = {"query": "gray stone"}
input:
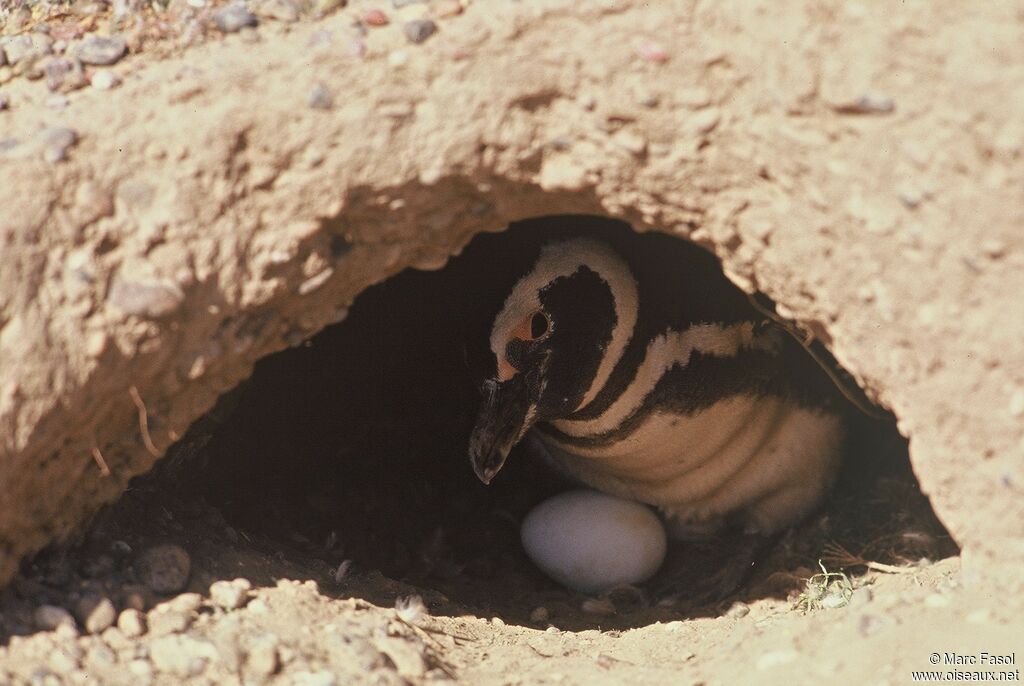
[(101, 51), (233, 18), (419, 30), (163, 568), (320, 98), (55, 69), (26, 47), (49, 617)]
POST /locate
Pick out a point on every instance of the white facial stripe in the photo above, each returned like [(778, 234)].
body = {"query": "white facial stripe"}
[(562, 259), (670, 349)]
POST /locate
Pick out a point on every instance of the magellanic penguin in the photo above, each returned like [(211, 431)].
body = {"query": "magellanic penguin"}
[(646, 374)]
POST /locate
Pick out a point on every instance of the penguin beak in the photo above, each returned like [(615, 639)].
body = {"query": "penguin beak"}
[(507, 413)]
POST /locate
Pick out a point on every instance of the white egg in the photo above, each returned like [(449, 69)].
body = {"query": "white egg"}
[(592, 542)]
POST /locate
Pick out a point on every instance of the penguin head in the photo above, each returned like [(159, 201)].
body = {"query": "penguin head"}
[(551, 345)]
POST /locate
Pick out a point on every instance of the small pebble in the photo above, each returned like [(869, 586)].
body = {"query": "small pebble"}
[(869, 103), (185, 602), (910, 199), (705, 121), (49, 617), (56, 69), (447, 8), (375, 17), (56, 143), (399, 4), (168, 622), (341, 573), (738, 610), (233, 18), (649, 100), (230, 595), (132, 623), (101, 50), (320, 98), (419, 30), (96, 613), (164, 568), (652, 52), (540, 615), (105, 80), (5, 102)]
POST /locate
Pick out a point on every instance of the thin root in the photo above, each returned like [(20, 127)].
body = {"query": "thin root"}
[(143, 422), (97, 457), (844, 558)]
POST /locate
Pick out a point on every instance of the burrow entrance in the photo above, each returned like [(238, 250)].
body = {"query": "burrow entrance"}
[(350, 451)]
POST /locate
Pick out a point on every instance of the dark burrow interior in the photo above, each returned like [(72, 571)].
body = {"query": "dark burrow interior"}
[(351, 450)]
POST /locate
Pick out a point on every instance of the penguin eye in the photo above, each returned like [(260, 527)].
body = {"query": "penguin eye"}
[(540, 325)]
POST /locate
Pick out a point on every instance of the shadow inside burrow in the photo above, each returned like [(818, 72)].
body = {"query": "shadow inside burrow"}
[(351, 449)]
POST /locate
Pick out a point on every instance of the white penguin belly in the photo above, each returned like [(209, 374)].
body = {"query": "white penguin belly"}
[(764, 459)]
